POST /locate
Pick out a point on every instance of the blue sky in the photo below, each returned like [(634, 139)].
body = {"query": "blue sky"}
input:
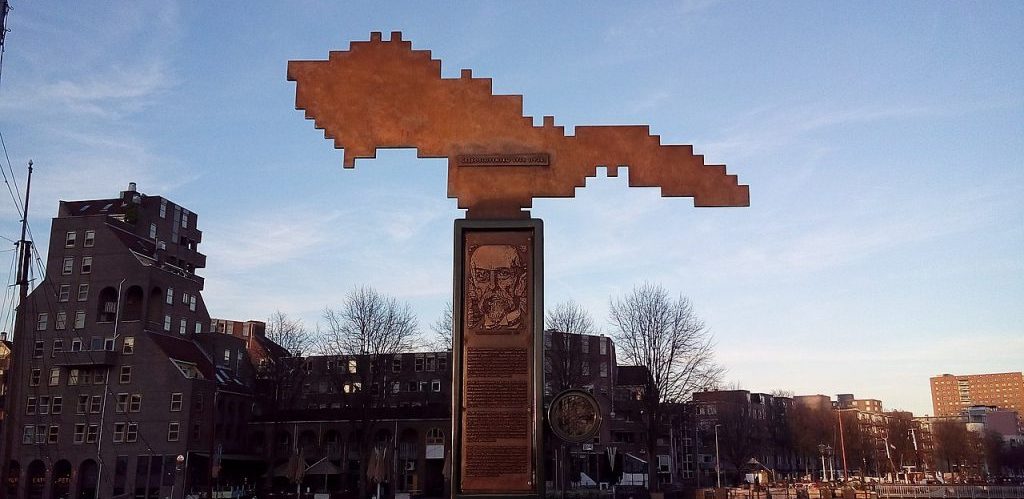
[(882, 142)]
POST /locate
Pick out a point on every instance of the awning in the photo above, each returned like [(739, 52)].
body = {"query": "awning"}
[(637, 458), (324, 467)]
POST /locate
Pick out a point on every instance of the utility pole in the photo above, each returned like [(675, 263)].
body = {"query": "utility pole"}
[(23, 244), (718, 460)]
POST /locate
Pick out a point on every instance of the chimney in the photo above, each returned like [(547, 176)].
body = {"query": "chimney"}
[(131, 186)]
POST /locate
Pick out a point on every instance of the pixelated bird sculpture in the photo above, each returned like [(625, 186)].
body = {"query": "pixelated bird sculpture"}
[(383, 94)]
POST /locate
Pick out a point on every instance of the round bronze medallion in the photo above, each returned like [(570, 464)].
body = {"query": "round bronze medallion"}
[(575, 416)]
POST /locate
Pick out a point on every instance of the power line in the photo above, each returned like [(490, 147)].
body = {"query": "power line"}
[(15, 197)]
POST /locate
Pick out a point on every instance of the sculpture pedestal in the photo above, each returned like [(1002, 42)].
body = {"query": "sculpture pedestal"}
[(498, 359)]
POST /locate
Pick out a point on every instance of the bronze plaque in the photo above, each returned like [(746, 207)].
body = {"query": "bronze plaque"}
[(497, 409), (575, 416), (512, 159)]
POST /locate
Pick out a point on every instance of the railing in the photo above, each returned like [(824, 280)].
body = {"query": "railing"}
[(881, 491), (951, 491)]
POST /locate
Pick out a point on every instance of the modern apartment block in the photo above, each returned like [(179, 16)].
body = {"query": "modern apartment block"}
[(848, 401), (952, 394), (116, 389)]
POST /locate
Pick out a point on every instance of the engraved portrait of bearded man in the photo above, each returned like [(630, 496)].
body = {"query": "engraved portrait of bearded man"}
[(497, 287)]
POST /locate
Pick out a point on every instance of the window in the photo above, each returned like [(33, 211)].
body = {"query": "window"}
[(60, 324), (86, 377), (182, 327), (167, 323), (604, 345), (37, 350), (90, 238), (100, 376), (54, 376), (431, 363), (128, 347), (199, 327), (83, 404), (126, 375), (69, 239), (135, 402), (435, 436), (73, 377), (132, 433), (396, 387), (119, 432), (442, 362), (585, 367), (435, 385), (172, 431), (353, 366), (37, 374), (122, 403), (76, 344), (585, 343), (170, 296), (418, 363), (184, 219), (175, 402), (396, 364), (95, 404), (30, 406), (86, 264), (44, 405), (79, 324), (41, 322), (93, 433), (227, 355), (79, 433), (604, 369), (152, 231), (163, 209), (57, 406), (192, 303), (83, 292), (65, 293), (29, 434), (69, 265)]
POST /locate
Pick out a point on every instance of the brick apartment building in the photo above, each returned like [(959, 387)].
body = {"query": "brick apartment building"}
[(113, 377), (952, 394)]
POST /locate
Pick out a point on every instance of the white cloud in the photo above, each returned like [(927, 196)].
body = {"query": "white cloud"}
[(266, 238)]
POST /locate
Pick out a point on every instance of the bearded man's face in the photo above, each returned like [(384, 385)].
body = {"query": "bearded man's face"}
[(496, 278)]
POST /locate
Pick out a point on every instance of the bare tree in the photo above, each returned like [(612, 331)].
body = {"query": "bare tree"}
[(566, 324), (288, 333), (366, 333), (809, 427), (444, 328), (743, 435), (664, 334), (569, 317)]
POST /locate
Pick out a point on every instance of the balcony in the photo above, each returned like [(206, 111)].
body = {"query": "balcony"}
[(86, 358)]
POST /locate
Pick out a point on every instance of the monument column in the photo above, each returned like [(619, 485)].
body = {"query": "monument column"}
[(498, 359)]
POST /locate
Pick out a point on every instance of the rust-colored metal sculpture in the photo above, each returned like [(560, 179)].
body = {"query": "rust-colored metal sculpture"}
[(383, 94)]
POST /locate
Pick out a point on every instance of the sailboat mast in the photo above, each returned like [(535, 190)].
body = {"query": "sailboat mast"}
[(25, 246)]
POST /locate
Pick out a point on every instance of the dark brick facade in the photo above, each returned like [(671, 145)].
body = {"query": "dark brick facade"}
[(114, 374)]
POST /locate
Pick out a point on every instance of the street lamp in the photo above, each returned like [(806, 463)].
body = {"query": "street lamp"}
[(179, 463), (718, 461), (821, 451)]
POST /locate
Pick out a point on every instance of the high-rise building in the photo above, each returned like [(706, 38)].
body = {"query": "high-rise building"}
[(117, 388), (951, 394)]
